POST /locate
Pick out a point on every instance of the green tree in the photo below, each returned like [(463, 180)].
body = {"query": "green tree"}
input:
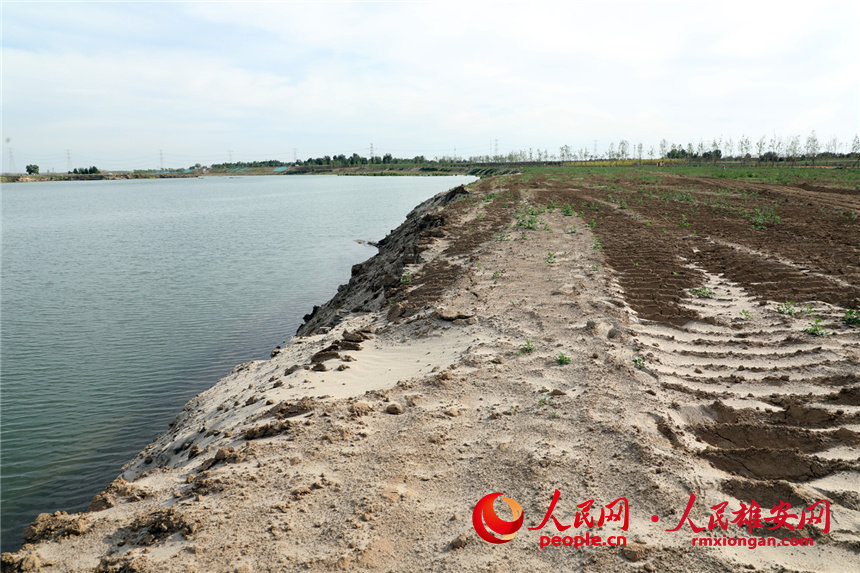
[(32, 169), (812, 146)]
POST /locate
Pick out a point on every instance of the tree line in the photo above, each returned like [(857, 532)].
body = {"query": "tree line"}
[(766, 149)]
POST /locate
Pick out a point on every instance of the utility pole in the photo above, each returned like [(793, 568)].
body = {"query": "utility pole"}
[(496, 147)]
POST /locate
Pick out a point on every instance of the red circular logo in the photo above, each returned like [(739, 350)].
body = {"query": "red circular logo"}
[(484, 517)]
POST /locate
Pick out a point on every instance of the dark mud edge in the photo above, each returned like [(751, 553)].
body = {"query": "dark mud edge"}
[(365, 291)]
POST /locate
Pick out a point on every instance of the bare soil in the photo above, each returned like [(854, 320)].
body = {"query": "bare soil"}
[(366, 442)]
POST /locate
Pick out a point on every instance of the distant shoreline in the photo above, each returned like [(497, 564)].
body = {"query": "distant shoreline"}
[(298, 170)]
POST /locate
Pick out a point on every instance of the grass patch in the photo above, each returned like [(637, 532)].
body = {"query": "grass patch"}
[(703, 292)]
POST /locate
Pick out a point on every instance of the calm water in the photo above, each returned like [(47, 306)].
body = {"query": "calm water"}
[(123, 299)]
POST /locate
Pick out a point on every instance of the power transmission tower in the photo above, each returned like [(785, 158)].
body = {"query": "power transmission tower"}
[(294, 154), (371, 150), (496, 147), (68, 161)]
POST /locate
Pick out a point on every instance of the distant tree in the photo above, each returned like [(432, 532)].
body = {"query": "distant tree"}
[(651, 152), (729, 145), (639, 151), (759, 146), (623, 149), (744, 146), (32, 169), (713, 155), (812, 146), (793, 149), (664, 147), (715, 150), (564, 152)]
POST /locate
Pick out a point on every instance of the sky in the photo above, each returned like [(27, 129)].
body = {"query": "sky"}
[(137, 85)]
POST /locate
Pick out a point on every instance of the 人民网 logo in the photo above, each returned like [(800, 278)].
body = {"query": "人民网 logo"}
[(484, 518)]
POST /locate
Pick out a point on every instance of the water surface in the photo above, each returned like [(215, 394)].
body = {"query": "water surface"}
[(123, 299)]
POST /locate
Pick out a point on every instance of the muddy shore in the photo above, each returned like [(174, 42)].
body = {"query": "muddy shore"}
[(606, 337)]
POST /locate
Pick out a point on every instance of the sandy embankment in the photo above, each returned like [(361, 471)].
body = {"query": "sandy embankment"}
[(365, 443)]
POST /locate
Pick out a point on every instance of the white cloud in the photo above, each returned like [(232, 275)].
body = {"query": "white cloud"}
[(118, 82)]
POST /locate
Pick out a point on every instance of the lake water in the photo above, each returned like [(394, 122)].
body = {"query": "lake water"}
[(123, 299)]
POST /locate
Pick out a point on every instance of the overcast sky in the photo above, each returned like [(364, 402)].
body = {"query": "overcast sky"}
[(121, 85)]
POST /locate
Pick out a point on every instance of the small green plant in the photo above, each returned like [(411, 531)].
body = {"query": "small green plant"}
[(745, 314), (552, 206), (663, 229), (702, 292), (787, 307), (684, 222), (542, 401), (761, 218), (596, 244), (571, 230), (815, 328), (622, 204), (851, 317), (851, 216), (497, 274), (554, 414), (550, 258), (406, 278), (809, 309), (595, 268), (674, 273), (648, 223), (503, 236), (528, 347), (592, 224), (639, 363), (568, 210), (562, 359), (528, 221), (524, 237), (547, 228)]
